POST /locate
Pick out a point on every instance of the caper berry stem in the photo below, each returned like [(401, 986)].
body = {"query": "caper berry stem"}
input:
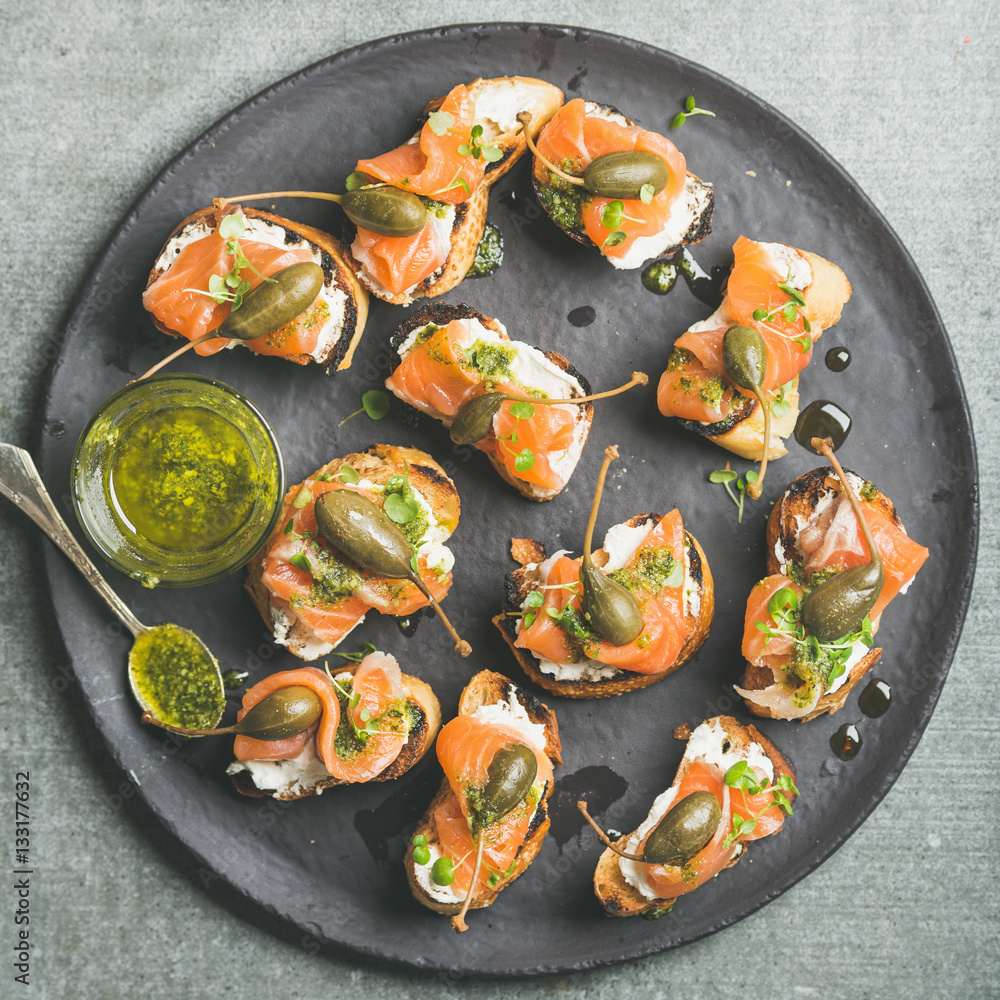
[(211, 335), (148, 719), (638, 378), (458, 921), (824, 446), (605, 839), (461, 646), (524, 118), (753, 489), (610, 454), (319, 195)]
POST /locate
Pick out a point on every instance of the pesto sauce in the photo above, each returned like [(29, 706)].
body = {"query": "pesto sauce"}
[(184, 479), (332, 579), (563, 207), (652, 570), (176, 678), (489, 253), (491, 360)]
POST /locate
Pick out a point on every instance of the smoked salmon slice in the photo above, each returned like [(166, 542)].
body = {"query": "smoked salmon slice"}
[(439, 375), (687, 389), (179, 298), (663, 634), (311, 581), (466, 747), (376, 703), (573, 138)]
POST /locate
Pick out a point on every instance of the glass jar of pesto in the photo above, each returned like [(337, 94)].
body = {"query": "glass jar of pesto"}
[(178, 480)]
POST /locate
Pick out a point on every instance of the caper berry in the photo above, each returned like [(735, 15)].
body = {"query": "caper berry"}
[(744, 356), (508, 779), (686, 828), (839, 606), (363, 533), (386, 210), (286, 712), (612, 609), (273, 303), (623, 174), (475, 419)]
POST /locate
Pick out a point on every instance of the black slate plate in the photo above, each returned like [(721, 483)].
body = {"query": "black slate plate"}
[(331, 865)]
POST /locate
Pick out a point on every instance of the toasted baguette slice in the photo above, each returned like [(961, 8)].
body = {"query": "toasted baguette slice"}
[(521, 582), (742, 431), (297, 780), (690, 220), (347, 300), (571, 384), (498, 102), (621, 899), (792, 511), (490, 688), (377, 464)]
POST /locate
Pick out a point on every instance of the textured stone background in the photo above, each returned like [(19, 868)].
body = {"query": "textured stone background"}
[(97, 96)]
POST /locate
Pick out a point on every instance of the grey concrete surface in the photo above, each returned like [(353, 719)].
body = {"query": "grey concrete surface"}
[(95, 97)]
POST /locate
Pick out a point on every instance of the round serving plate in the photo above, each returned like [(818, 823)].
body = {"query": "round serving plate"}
[(331, 864)]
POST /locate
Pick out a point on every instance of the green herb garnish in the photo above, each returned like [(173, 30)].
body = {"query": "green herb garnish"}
[(689, 110), (726, 477), (476, 149), (374, 403)]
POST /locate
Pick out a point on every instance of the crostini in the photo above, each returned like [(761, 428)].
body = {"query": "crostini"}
[(628, 228), (310, 594), (732, 786), (467, 141), (443, 356), (375, 723), (188, 296), (497, 754), (556, 641), (812, 535), (789, 297)]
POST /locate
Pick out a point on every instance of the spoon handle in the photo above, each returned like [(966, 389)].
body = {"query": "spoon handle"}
[(21, 484)]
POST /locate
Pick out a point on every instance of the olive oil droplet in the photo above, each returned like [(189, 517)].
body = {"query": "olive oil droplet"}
[(408, 625), (875, 699), (846, 742), (661, 275), (583, 316), (822, 419), (838, 358)]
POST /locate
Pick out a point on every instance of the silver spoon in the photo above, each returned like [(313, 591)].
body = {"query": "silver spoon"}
[(22, 485)]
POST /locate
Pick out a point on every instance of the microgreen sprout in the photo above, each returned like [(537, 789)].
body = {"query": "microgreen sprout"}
[(496, 877), (689, 110), (742, 777), (790, 311), (374, 403), (359, 655), (780, 406), (726, 476), (785, 611), (476, 149), (231, 287), (525, 458), (400, 502), (421, 852), (440, 121), (347, 474)]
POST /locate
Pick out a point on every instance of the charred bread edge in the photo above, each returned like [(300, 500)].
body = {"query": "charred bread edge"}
[(620, 899), (488, 687), (803, 494), (697, 231), (333, 257), (430, 480), (419, 696), (516, 587), (443, 313)]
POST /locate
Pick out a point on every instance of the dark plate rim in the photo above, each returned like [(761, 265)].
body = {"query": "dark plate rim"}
[(960, 594)]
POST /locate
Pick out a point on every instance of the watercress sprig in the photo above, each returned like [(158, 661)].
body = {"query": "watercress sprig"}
[(374, 403), (231, 287), (689, 110), (726, 476), (742, 776), (525, 458)]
